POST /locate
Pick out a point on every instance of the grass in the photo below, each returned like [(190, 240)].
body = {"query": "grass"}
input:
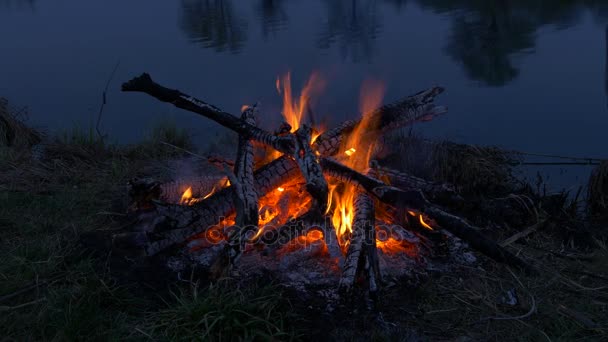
[(59, 292)]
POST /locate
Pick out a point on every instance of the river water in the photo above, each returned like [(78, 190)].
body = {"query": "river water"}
[(526, 75)]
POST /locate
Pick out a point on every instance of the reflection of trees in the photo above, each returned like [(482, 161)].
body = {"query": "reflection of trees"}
[(352, 25), (213, 23), (273, 15), (11, 4), (487, 34)]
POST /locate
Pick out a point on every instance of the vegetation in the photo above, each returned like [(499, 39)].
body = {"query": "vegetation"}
[(52, 289)]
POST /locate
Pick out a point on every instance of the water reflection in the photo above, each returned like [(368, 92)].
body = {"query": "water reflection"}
[(214, 24), (272, 14), (352, 26), (17, 4), (487, 35)]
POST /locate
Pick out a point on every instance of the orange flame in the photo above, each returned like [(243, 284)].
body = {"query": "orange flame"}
[(294, 110), (342, 200), (186, 196)]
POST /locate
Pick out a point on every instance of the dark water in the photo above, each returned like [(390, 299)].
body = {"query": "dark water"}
[(523, 74)]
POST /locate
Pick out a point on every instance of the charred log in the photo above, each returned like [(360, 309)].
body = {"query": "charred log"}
[(415, 108), (245, 199), (360, 248), (316, 185)]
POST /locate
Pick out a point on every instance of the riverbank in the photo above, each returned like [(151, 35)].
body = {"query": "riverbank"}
[(55, 188)]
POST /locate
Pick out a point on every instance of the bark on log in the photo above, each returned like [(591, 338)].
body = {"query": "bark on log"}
[(415, 200), (174, 223), (179, 223), (316, 185), (471, 235), (358, 249), (415, 108), (433, 190), (245, 199), (384, 192)]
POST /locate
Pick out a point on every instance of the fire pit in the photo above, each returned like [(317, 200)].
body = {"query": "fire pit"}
[(314, 206)]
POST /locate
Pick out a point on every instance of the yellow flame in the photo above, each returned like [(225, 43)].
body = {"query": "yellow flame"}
[(281, 189), (342, 201), (186, 196), (350, 151), (424, 224)]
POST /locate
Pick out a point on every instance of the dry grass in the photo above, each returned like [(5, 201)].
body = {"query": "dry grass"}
[(58, 292), (597, 193), (13, 131), (474, 170)]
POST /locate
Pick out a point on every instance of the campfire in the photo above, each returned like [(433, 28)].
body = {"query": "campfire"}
[(302, 194)]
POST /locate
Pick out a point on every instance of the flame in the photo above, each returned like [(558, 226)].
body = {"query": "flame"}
[(244, 107), (280, 189), (394, 246), (342, 199), (186, 196), (424, 224), (294, 110)]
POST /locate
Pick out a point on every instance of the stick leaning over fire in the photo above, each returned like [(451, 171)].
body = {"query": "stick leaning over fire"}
[(418, 107)]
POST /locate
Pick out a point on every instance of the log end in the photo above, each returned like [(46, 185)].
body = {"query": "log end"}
[(139, 83)]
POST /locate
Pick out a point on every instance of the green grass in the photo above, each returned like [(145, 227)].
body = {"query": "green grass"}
[(221, 312)]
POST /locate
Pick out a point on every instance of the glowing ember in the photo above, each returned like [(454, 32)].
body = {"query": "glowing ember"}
[(424, 224), (314, 234), (350, 151), (393, 246), (280, 189), (186, 196)]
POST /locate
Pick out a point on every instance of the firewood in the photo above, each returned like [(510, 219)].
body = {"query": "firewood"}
[(433, 190), (178, 223), (316, 185), (359, 247), (465, 231), (416, 200), (245, 199)]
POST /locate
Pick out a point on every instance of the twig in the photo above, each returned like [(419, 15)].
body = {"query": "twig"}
[(521, 234), (11, 308), (30, 287), (184, 150), (578, 317), (104, 98)]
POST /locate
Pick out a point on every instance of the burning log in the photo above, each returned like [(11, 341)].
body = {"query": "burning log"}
[(360, 248), (415, 108), (174, 224), (384, 192), (245, 199), (415, 200), (316, 185), (405, 181), (178, 223)]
